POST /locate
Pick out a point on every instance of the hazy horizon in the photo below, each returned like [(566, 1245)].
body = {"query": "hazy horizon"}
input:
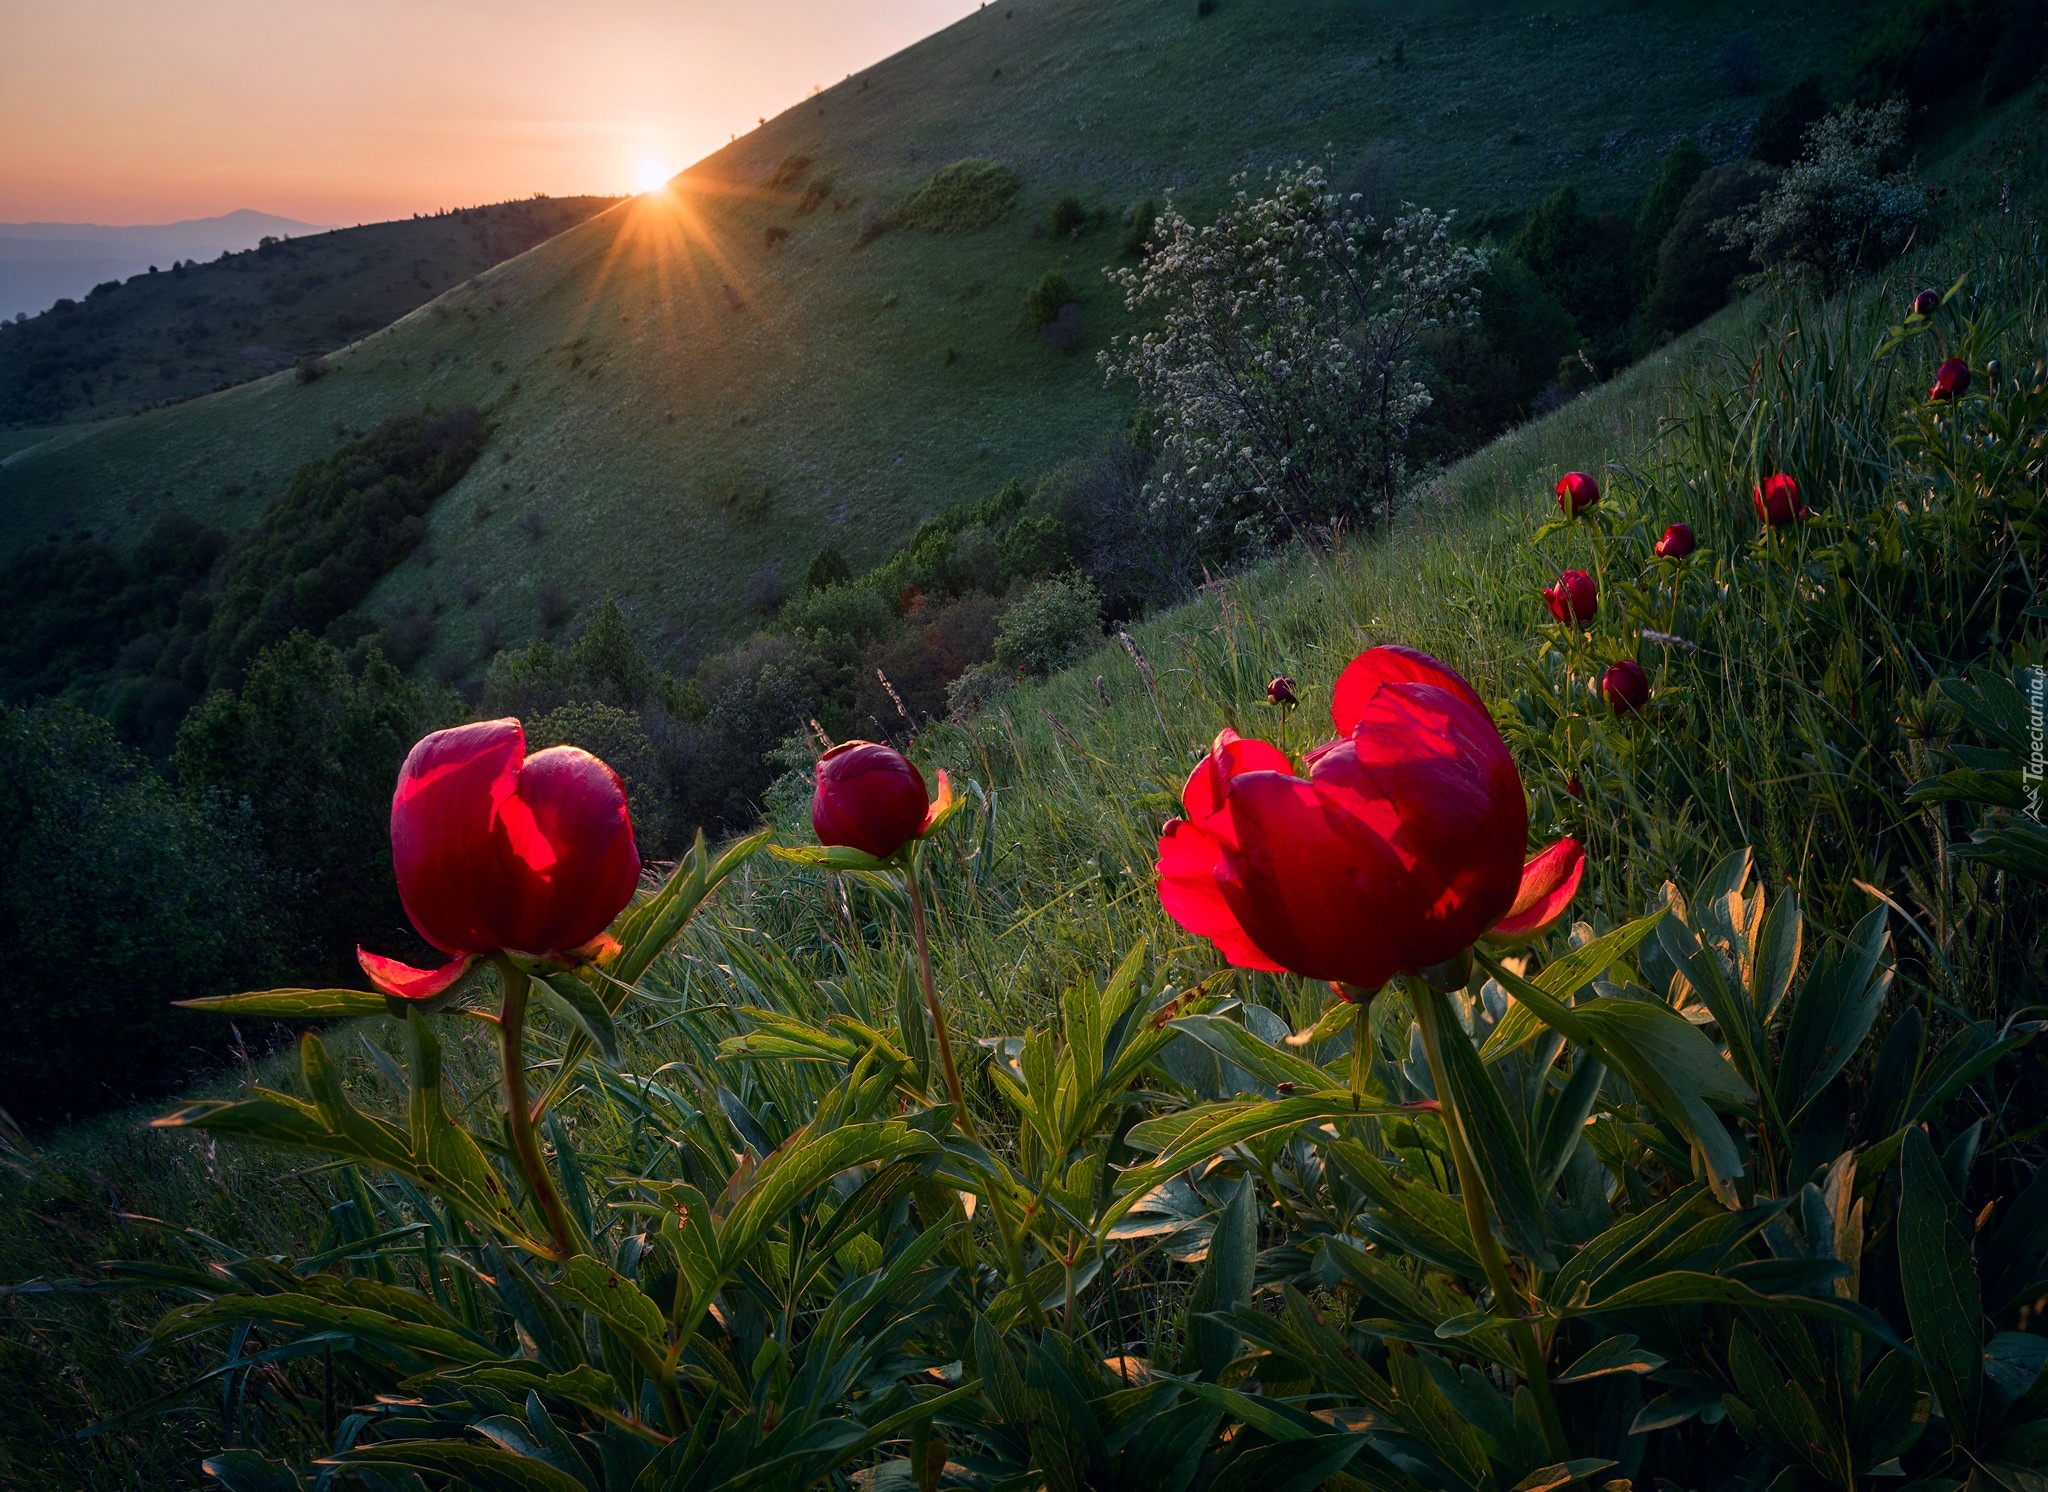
[(119, 114)]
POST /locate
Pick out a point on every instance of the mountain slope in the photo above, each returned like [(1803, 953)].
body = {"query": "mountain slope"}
[(684, 412), (200, 327)]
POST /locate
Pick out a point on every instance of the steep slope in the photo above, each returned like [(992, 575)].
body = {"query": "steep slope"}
[(684, 411), (195, 328)]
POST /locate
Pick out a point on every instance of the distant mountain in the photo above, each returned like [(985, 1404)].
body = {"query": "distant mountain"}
[(41, 263)]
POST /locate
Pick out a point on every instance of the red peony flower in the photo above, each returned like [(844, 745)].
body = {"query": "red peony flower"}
[(1777, 501), (1573, 786), (870, 798), (1574, 599), (1926, 303), (1576, 492), (1625, 687), (496, 850), (1677, 543), (1951, 380), (1398, 850), (1281, 691)]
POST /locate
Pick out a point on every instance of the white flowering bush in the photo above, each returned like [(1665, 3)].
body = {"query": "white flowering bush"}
[(1284, 364), (1837, 209)]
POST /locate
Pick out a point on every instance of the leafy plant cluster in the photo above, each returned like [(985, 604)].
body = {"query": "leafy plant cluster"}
[(1938, 54), (964, 197)]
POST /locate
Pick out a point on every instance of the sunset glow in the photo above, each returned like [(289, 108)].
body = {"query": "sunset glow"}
[(118, 113)]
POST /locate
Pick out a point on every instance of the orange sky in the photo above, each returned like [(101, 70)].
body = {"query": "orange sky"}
[(345, 111)]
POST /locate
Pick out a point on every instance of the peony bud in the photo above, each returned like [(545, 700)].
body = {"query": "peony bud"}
[(1625, 687), (1677, 542), (1951, 380), (1574, 599), (1281, 691), (1576, 788), (1576, 492), (1777, 501), (1926, 303), (868, 798)]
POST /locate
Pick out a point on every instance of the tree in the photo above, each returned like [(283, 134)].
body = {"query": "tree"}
[(309, 752), (1839, 208), (1286, 368), (116, 898)]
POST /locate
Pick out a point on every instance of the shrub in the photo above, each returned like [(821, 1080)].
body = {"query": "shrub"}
[(976, 688), (1138, 229), (1696, 265), (1583, 259), (922, 661), (1781, 127), (873, 223), (964, 197), (1684, 164), (617, 738), (1069, 216), (116, 898), (1050, 625), (827, 568), (850, 611), (789, 172), (776, 235), (1063, 332), (1035, 545), (1044, 300), (2022, 47), (311, 750), (309, 368), (1842, 206), (551, 606), (1285, 362)]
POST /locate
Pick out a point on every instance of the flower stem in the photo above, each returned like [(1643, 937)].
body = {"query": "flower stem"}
[(1430, 1014), (1361, 1032), (525, 1146), (931, 999)]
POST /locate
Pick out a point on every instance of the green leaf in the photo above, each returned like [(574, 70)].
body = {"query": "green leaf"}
[(1665, 1058), (1224, 1284), (1940, 1287), (1832, 1013), (1298, 1466), (616, 1301), (1198, 1133), (1563, 979), (799, 1166), (311, 1314), (1264, 1061), (1618, 1354), (1690, 1287), (832, 857), (251, 1471), (580, 1005), (647, 930), (1562, 1474), (485, 1468), (294, 1004), (1497, 1149)]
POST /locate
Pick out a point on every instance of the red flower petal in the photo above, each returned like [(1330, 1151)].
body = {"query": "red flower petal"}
[(1316, 901), (1231, 755), (408, 983), (1391, 664), (443, 841), (1549, 882), (869, 797), (1430, 778), (1189, 859), (569, 852)]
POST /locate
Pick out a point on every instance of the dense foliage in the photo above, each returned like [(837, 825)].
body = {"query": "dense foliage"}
[(143, 637), (116, 897)]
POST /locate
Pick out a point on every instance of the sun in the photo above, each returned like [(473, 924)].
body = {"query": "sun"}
[(651, 175)]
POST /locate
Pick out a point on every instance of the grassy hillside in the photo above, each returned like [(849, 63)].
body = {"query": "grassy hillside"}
[(685, 412), (195, 328)]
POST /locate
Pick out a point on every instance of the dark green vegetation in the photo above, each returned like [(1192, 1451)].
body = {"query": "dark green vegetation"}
[(141, 637), (1861, 1059), (195, 328)]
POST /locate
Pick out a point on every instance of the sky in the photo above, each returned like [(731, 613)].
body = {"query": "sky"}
[(344, 111)]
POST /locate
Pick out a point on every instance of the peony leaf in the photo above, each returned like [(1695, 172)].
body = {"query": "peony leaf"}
[(294, 1004), (487, 1468)]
